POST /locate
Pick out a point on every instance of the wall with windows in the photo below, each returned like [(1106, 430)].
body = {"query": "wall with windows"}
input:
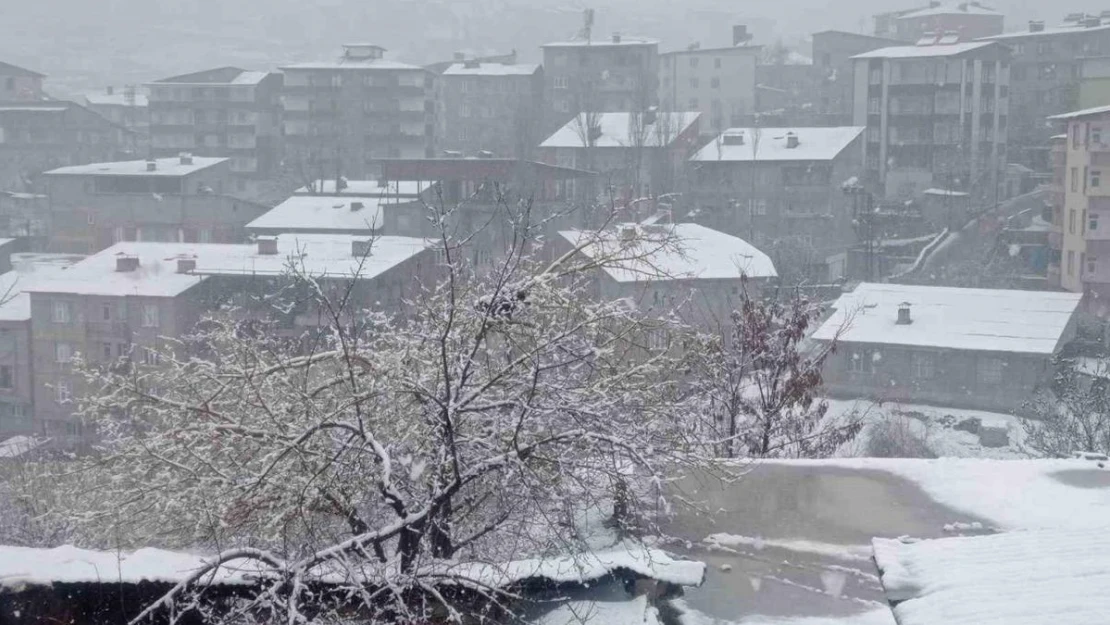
[(718, 83), (965, 379)]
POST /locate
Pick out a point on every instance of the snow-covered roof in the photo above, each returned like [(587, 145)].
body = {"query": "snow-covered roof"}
[(322, 255), (306, 213), (16, 446), (164, 167), (619, 611), (963, 8), (28, 268), (1048, 32), (349, 63), (1096, 110), (27, 566), (945, 193), (697, 252), (997, 320), (369, 188), (17, 108), (621, 130), (117, 99), (912, 52), (814, 144), (491, 69), (603, 42), (1016, 578)]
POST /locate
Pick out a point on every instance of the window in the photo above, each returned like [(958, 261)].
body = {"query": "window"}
[(63, 390), (1071, 262), (1096, 135), (1075, 136), (150, 357), (106, 312), (204, 236), (693, 61), (464, 111), (1092, 221), (694, 82), (873, 106), (61, 313), (1071, 221), (1083, 222), (693, 104), (63, 352), (717, 63), (1092, 263), (990, 371), (106, 351), (150, 315), (561, 82), (715, 83), (924, 366), (1096, 177), (1074, 179), (861, 361), (6, 380), (759, 207)]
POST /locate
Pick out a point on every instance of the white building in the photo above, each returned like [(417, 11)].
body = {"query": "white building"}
[(719, 83)]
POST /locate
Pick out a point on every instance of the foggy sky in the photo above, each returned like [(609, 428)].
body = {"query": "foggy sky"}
[(84, 45)]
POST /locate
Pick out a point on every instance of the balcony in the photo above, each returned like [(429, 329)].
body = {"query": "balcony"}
[(112, 329)]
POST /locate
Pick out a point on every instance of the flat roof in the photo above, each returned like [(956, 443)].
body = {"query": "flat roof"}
[(369, 188), (1059, 31), (997, 320), (28, 268), (1027, 577), (217, 76), (302, 213), (30, 108), (117, 99), (814, 144), (492, 69), (165, 167), (603, 42), (911, 52), (1096, 110), (622, 130), (701, 253), (347, 63), (963, 8), (321, 255)]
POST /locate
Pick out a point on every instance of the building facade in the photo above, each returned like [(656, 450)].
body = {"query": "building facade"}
[(719, 83), (603, 75), (781, 189), (128, 107), (834, 68), (342, 117), (970, 20), (490, 108), (91, 207), (19, 85), (224, 112), (936, 115), (1045, 76)]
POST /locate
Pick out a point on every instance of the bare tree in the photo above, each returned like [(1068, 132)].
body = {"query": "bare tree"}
[(1074, 415), (384, 452)]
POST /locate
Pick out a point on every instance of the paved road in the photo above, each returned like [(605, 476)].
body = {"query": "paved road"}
[(839, 508)]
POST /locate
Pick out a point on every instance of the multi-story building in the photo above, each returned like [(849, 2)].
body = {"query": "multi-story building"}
[(636, 154), (1084, 224), (1094, 81), (224, 112), (39, 135), (834, 68), (603, 75), (343, 116), (719, 83), (491, 108), (970, 19), (90, 207), (936, 115), (122, 306), (1045, 75), (360, 207), (781, 189), (128, 107), (19, 85)]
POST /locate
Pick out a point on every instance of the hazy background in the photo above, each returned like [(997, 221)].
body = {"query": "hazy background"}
[(83, 45)]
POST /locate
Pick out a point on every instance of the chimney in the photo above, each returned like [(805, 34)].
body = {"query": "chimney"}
[(356, 206), (186, 158), (459, 57), (616, 37), (126, 262), (361, 247), (904, 314), (733, 138), (472, 64), (186, 264), (151, 164), (267, 246), (628, 233), (111, 90), (1036, 26), (740, 35), (791, 140)]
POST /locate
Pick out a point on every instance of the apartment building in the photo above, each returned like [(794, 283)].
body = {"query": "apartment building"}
[(834, 69), (599, 75), (39, 135), (781, 189), (1045, 74), (719, 83), (489, 108), (128, 107), (343, 116), (1084, 221), (90, 207), (120, 306), (936, 115), (18, 84), (223, 112), (970, 19)]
